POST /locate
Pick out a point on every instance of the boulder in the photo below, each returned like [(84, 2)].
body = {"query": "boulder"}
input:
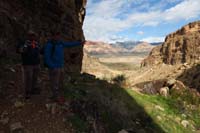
[(178, 86), (5, 120), (164, 91), (171, 82), (123, 131), (16, 128), (159, 118), (149, 89), (152, 87), (185, 123), (159, 108), (18, 104)]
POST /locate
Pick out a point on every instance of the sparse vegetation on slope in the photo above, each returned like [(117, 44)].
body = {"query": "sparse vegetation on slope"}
[(112, 108), (174, 114), (107, 106)]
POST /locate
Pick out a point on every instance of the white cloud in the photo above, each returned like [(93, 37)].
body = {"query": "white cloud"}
[(109, 17), (153, 39), (140, 32), (185, 10), (144, 19)]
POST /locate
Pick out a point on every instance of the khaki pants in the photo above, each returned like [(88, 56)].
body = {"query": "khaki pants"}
[(55, 76), (31, 73)]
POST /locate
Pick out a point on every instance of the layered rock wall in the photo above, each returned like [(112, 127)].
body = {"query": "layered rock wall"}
[(182, 46), (17, 17)]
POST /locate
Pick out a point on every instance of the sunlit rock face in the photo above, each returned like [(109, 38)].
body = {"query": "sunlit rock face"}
[(182, 46), (42, 16)]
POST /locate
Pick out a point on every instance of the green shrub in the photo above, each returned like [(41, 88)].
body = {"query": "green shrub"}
[(119, 80), (186, 95)]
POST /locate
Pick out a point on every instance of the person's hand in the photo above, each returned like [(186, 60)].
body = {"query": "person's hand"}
[(88, 43), (83, 42)]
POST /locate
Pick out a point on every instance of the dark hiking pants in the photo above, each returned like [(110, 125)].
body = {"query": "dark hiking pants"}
[(54, 76), (31, 73)]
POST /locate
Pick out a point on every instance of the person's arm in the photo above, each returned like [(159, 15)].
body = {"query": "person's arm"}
[(71, 44), (47, 55)]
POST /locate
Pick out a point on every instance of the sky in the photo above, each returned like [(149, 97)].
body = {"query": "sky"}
[(137, 20)]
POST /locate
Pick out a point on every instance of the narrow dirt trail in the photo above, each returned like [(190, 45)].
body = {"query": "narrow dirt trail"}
[(37, 115)]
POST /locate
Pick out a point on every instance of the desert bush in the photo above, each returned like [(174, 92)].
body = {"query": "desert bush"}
[(187, 95), (119, 80)]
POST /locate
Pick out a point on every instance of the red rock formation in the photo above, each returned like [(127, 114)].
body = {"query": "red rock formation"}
[(143, 47), (182, 46)]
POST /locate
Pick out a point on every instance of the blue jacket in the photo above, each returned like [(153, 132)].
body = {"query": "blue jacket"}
[(55, 58)]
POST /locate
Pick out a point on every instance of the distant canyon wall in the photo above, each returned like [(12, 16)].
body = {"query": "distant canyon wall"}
[(182, 46)]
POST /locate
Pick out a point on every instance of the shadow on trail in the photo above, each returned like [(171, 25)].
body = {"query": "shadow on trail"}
[(96, 105), (106, 107)]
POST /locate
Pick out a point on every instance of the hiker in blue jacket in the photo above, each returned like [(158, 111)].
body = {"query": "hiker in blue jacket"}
[(54, 60)]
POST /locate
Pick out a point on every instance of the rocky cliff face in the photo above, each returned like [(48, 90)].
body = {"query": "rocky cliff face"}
[(182, 46), (42, 16)]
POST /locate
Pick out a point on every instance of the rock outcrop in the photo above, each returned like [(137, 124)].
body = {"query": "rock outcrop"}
[(155, 57), (182, 46), (143, 47), (19, 16)]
